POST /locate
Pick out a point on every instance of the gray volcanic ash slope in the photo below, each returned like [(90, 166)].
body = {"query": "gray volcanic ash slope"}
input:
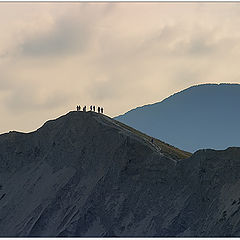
[(85, 174)]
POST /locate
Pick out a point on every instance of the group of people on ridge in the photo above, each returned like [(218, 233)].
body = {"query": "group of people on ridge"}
[(92, 108)]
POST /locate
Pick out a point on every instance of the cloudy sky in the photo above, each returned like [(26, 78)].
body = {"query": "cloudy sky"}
[(54, 56)]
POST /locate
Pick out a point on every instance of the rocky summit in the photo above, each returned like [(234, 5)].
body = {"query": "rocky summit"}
[(85, 174)]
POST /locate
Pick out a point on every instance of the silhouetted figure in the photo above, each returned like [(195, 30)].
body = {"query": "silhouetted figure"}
[(78, 108), (91, 107), (94, 108), (102, 110), (152, 140), (85, 108), (98, 109)]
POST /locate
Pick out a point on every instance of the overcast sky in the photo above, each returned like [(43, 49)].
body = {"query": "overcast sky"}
[(54, 56)]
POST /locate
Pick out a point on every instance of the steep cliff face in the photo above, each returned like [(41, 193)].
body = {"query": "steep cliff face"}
[(85, 174)]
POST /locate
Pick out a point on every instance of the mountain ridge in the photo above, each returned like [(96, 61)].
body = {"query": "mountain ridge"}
[(202, 116), (84, 174), (176, 93)]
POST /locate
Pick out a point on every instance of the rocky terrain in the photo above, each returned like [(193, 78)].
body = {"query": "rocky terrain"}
[(85, 174), (202, 116)]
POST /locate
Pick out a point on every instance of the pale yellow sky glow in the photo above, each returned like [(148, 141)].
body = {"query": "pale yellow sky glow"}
[(54, 56)]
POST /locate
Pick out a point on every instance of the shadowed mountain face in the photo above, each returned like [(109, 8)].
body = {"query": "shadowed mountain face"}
[(203, 116), (85, 174)]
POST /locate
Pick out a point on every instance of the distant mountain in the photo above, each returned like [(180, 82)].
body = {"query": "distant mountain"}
[(202, 116), (85, 174)]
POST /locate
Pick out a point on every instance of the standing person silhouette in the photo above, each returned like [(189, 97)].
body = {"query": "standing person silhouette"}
[(91, 107), (84, 109), (98, 109), (102, 110), (94, 108)]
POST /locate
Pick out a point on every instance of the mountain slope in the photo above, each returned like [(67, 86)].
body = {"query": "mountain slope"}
[(85, 174), (203, 116)]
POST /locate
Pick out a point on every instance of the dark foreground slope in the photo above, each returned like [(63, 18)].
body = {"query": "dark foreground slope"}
[(203, 116), (85, 174)]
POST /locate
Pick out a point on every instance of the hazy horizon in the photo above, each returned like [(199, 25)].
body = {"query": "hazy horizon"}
[(54, 56)]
